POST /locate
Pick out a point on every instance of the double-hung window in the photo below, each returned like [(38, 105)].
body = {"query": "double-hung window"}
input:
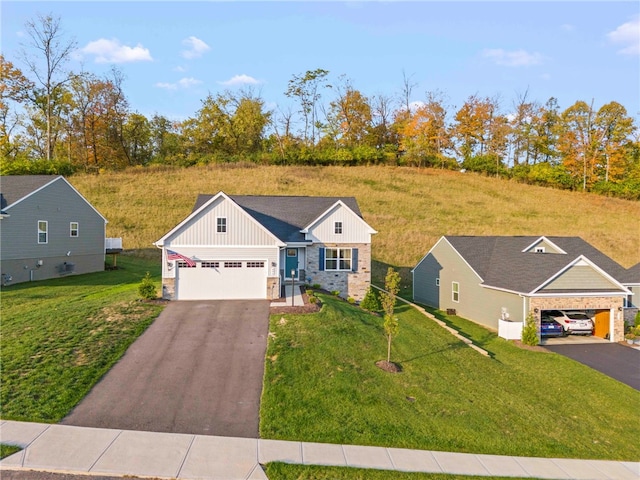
[(74, 229), (43, 231), (455, 291), (337, 259), (221, 224)]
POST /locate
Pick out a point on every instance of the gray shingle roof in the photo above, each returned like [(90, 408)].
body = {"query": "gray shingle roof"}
[(501, 263), (285, 216), (16, 187), (632, 275)]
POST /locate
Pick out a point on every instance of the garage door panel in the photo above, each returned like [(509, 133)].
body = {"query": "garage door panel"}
[(221, 280)]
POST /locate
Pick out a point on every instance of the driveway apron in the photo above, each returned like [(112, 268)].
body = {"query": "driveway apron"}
[(197, 369), (616, 361)]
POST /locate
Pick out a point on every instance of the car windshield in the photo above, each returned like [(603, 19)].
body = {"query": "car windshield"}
[(578, 316)]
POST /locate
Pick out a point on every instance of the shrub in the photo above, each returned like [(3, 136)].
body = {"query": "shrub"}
[(336, 293), (351, 300), (313, 299), (371, 300), (316, 286), (636, 321), (530, 331), (147, 288)]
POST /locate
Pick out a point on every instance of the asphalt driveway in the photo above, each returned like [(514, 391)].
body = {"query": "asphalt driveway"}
[(197, 369), (616, 361)]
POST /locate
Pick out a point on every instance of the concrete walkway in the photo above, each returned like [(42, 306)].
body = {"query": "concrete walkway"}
[(69, 449), (297, 297)]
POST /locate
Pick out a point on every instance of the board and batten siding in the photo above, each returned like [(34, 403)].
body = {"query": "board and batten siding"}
[(242, 229), (580, 277), (354, 228)]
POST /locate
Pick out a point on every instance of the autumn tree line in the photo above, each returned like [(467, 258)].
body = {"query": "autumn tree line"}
[(53, 120)]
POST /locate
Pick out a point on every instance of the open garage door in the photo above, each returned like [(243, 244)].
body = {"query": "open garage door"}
[(602, 320), (222, 280)]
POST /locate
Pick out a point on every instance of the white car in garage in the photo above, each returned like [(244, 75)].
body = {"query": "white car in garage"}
[(573, 322)]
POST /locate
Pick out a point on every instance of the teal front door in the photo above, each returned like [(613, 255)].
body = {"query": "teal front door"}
[(291, 263)]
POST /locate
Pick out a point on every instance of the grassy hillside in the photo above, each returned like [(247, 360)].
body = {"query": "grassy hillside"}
[(410, 207)]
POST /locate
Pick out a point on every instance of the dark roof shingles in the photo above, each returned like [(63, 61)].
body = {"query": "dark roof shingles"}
[(16, 187), (501, 263)]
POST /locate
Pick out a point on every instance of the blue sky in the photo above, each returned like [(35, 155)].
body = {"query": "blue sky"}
[(173, 54)]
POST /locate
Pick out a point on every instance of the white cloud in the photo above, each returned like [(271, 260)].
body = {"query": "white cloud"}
[(195, 47), (240, 80), (567, 27), (514, 58), (179, 68), (184, 83), (628, 36), (112, 51)]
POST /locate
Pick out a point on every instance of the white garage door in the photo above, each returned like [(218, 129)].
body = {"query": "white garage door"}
[(221, 280)]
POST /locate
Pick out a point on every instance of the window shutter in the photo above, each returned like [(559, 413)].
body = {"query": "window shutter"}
[(354, 259), (321, 259)]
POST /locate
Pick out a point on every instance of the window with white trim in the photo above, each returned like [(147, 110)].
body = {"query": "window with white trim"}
[(255, 264), (455, 291), (183, 264), (221, 224), (43, 231), (232, 264), (209, 264), (74, 229), (337, 228), (337, 259), (437, 281)]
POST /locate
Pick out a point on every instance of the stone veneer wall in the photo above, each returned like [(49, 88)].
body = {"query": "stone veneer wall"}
[(349, 284), (273, 288), (584, 303), (168, 288)]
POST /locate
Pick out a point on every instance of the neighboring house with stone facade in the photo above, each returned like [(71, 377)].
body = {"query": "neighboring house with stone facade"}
[(631, 280), (247, 247), (488, 278)]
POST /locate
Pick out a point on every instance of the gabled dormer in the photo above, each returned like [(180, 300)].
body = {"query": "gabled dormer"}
[(544, 245), (338, 224)]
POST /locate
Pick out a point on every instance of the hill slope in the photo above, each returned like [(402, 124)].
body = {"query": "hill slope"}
[(411, 208)]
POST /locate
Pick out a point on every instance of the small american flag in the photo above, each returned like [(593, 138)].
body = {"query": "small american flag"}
[(171, 255)]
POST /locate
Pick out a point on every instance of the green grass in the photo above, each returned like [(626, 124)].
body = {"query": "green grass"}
[(321, 385), (411, 208), (6, 450), (284, 471), (59, 337)]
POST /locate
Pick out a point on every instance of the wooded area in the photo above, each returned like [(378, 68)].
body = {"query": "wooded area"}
[(53, 120)]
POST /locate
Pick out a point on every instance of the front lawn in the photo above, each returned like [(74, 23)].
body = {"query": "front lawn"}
[(59, 337), (285, 471), (321, 385)]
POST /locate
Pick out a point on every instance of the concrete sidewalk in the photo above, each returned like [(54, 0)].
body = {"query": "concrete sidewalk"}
[(69, 449), (287, 302)]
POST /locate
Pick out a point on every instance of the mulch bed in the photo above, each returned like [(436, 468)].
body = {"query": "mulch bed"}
[(388, 366)]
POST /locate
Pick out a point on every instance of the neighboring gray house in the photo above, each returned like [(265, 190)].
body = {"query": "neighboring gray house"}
[(486, 278), (47, 229), (631, 280), (244, 247)]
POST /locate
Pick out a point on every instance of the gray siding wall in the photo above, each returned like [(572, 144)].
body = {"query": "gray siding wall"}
[(425, 276), (476, 303), (580, 278), (59, 205)]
